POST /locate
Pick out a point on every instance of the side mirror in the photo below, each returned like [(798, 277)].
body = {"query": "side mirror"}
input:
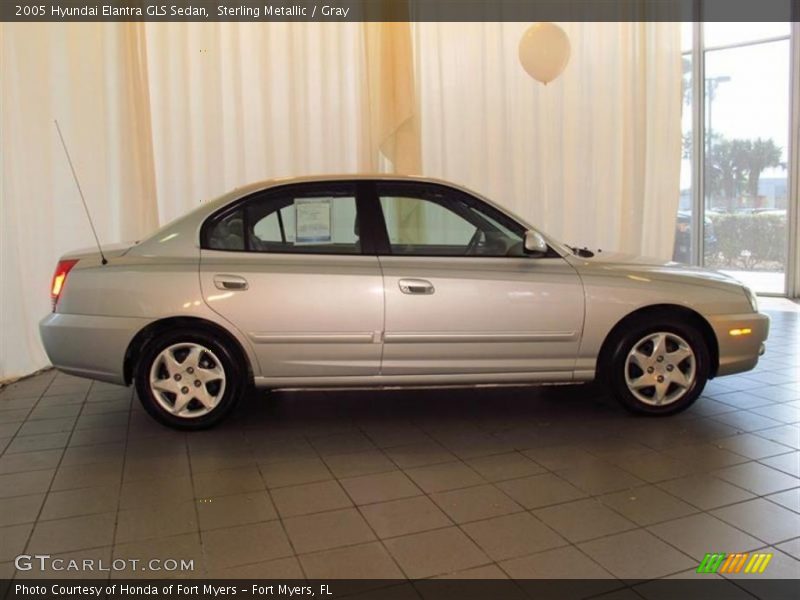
[(534, 243)]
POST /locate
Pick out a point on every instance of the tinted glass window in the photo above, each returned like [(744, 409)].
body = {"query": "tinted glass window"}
[(228, 233), (415, 222), (299, 219), (435, 222)]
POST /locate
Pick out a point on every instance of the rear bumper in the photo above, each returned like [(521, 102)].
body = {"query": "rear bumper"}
[(89, 346), (739, 353)]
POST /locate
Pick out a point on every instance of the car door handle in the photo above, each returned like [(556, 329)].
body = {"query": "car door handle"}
[(230, 282), (416, 286)]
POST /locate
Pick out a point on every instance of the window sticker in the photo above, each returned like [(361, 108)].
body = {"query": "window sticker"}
[(313, 221)]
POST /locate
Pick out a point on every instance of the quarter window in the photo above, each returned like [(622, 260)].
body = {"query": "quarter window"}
[(228, 232)]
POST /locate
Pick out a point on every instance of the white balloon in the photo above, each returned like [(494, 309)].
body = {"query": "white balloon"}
[(544, 51)]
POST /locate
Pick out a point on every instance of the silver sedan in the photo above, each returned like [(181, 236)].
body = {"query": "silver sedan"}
[(385, 281)]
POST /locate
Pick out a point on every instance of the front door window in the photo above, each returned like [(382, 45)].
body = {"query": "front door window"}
[(427, 221)]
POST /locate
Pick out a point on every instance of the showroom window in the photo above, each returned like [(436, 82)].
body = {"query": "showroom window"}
[(734, 211)]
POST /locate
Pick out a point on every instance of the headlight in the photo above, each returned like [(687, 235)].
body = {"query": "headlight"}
[(751, 296)]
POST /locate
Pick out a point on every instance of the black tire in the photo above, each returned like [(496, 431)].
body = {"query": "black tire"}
[(234, 372), (636, 331)]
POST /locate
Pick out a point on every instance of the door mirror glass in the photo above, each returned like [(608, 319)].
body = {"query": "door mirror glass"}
[(534, 243)]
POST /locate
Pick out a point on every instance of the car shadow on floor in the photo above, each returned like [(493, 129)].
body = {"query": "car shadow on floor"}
[(475, 420), (508, 418), (470, 403)]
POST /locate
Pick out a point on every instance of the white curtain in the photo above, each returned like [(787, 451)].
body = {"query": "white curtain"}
[(86, 76), (160, 117), (593, 158), (235, 103)]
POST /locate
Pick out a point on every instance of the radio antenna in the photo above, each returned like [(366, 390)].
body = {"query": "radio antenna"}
[(80, 191)]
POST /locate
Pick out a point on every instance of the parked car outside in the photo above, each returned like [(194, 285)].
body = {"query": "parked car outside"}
[(684, 237), (385, 281)]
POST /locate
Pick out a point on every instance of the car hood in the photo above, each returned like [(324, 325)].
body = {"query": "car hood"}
[(626, 265)]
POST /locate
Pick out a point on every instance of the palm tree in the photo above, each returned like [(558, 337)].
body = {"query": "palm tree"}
[(725, 169), (760, 155)]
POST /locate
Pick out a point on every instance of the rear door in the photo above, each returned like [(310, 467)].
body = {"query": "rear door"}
[(292, 270), (463, 298)]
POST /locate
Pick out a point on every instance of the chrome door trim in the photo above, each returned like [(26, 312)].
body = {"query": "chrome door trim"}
[(356, 337), (498, 337)]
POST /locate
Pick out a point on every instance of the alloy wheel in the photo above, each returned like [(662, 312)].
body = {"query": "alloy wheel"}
[(188, 380), (660, 368)]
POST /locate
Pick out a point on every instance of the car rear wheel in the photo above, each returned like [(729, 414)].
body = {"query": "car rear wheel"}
[(659, 369), (188, 379)]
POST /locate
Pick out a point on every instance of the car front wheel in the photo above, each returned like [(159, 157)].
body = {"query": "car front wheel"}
[(188, 380), (659, 369)]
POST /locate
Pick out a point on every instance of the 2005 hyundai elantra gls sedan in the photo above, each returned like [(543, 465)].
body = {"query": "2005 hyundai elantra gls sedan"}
[(385, 281)]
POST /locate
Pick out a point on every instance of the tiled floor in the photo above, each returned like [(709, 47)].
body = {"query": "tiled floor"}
[(525, 482)]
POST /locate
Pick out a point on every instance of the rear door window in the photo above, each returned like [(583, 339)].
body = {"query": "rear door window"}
[(301, 219)]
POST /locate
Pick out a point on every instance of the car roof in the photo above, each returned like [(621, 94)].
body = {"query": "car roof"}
[(274, 182), (258, 186)]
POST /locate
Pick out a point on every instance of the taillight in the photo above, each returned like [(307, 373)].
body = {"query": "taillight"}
[(60, 278)]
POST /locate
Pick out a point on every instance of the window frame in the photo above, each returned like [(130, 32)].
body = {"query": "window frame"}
[(697, 51), (366, 232), (384, 247), (373, 232)]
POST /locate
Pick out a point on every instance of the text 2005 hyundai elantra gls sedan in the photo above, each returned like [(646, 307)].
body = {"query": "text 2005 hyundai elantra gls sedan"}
[(385, 281)]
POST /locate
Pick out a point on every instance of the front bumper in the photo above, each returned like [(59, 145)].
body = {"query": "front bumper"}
[(89, 346), (740, 352)]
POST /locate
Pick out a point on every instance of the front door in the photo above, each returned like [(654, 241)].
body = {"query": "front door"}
[(463, 298), (289, 267)]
